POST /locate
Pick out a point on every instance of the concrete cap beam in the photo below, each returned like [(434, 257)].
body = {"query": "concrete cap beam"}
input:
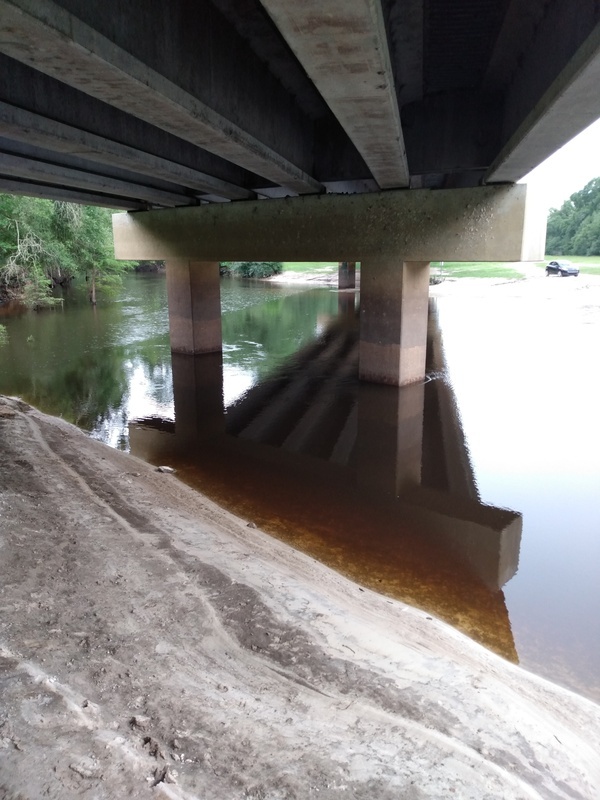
[(493, 223), (343, 48), (46, 37)]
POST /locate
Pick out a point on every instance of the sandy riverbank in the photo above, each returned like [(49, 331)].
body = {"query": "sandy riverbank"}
[(151, 644)]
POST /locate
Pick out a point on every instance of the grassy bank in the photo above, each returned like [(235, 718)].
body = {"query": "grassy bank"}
[(446, 269), (588, 265)]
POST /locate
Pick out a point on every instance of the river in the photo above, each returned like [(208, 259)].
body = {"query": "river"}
[(474, 496)]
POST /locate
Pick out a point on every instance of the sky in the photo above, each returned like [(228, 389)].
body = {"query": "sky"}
[(569, 169)]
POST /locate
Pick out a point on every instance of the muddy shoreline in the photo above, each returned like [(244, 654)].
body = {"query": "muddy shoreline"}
[(152, 644)]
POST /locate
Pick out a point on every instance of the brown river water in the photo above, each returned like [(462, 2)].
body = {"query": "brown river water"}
[(474, 495)]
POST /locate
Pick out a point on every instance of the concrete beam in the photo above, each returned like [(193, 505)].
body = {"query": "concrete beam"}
[(23, 87), (24, 126), (493, 223), (545, 111), (43, 172), (343, 48), (53, 41), (46, 192)]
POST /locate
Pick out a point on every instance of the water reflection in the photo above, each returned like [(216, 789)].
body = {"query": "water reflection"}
[(97, 368), (523, 373), (372, 480)]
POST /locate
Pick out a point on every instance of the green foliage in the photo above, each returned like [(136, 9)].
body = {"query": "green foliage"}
[(574, 229), (250, 269), (45, 244)]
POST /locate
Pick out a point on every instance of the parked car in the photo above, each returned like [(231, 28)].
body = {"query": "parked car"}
[(562, 268)]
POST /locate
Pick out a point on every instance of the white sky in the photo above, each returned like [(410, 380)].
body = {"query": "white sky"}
[(569, 169)]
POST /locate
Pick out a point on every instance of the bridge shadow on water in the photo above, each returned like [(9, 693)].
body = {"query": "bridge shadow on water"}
[(374, 481)]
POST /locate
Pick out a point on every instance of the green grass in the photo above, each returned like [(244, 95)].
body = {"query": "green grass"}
[(451, 269), (588, 265), (475, 269)]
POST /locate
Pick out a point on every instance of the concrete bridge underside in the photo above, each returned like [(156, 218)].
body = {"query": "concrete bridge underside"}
[(212, 114)]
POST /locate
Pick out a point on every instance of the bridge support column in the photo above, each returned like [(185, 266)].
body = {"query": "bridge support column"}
[(194, 298), (393, 320), (347, 275)]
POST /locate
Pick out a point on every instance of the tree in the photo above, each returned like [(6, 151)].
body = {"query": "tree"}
[(26, 250), (44, 244), (250, 269), (574, 229), (86, 233)]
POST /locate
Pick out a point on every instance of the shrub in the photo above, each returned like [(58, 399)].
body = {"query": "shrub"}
[(250, 269)]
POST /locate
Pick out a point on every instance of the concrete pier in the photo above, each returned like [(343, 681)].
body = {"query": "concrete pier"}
[(393, 320), (194, 297), (347, 275)]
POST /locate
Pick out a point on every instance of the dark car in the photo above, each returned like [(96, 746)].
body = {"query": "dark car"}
[(562, 268)]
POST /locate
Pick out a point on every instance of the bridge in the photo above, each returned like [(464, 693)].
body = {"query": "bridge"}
[(389, 132)]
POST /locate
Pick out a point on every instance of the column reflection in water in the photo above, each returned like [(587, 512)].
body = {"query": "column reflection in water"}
[(374, 481)]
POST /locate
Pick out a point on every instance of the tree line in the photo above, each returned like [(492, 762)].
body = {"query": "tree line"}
[(48, 243), (574, 228)]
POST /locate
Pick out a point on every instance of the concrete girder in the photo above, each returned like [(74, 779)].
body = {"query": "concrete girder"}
[(25, 88), (545, 110), (46, 192), (44, 36), (492, 223), (43, 172), (25, 126), (343, 48)]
